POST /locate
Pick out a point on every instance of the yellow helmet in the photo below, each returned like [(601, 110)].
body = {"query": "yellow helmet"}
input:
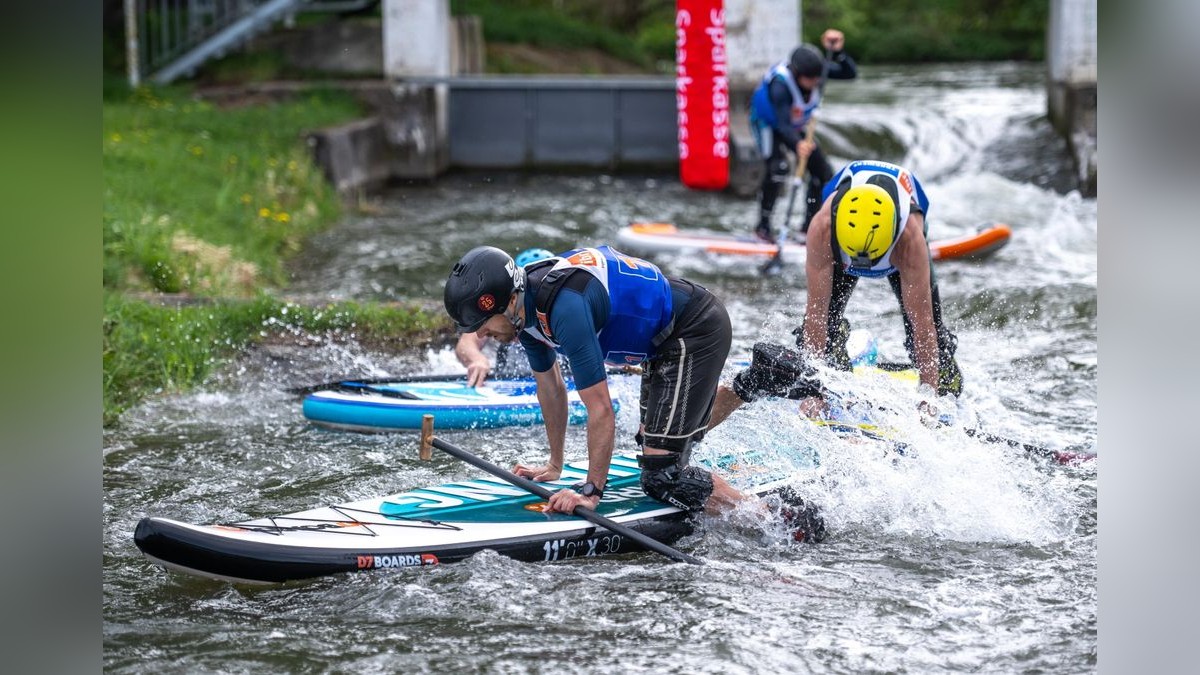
[(865, 224)]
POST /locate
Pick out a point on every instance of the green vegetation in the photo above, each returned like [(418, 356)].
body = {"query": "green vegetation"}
[(898, 31), (907, 31), (640, 35), (150, 348), (211, 203)]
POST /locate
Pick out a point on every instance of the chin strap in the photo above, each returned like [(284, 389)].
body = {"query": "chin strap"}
[(517, 319)]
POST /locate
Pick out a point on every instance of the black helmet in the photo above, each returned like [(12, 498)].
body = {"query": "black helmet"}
[(806, 61), (480, 286)]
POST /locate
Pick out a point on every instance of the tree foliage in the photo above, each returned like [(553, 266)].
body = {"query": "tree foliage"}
[(933, 30)]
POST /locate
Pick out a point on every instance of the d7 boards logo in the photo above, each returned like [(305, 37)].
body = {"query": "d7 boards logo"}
[(368, 562)]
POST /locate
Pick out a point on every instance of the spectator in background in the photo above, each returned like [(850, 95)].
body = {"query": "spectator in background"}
[(780, 109)]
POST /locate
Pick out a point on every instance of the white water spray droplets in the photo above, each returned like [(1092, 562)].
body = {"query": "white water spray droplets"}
[(945, 485)]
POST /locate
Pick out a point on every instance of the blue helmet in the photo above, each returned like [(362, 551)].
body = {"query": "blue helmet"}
[(532, 255)]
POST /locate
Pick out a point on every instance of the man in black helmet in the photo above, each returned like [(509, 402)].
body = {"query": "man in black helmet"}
[(598, 306), (780, 108)]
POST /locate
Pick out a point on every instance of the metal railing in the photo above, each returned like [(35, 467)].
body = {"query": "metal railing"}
[(166, 39)]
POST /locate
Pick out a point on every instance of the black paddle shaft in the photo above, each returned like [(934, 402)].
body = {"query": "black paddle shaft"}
[(581, 511)]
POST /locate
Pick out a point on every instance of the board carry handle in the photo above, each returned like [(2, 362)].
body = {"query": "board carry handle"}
[(429, 440)]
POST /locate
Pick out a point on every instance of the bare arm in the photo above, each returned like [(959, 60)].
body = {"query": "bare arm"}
[(911, 257), (552, 397), (470, 354), (601, 428), (818, 268)]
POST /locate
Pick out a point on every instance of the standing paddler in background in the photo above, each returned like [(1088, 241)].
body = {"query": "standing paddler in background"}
[(780, 109), (510, 361), (598, 306), (872, 224)]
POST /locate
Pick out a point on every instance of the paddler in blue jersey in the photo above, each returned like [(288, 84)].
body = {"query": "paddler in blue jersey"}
[(872, 223), (780, 109), (601, 308)]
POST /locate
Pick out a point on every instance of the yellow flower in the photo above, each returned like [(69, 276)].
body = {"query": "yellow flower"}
[(282, 217), (264, 212), (115, 137)]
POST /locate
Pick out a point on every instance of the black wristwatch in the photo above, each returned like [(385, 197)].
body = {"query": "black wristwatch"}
[(589, 489)]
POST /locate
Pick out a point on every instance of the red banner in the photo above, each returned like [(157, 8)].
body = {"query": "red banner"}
[(702, 93)]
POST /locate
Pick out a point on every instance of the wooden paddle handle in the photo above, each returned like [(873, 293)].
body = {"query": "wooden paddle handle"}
[(426, 453), (802, 163)]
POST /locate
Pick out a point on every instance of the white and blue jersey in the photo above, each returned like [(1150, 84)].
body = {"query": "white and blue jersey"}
[(762, 108)]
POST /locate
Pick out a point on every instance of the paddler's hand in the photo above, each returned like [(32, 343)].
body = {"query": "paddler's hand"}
[(804, 149), (814, 407), (833, 40), (477, 372), (542, 474), (565, 501)]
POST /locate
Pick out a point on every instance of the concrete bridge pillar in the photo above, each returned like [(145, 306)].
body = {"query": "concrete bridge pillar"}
[(417, 44), (1071, 82), (757, 36)]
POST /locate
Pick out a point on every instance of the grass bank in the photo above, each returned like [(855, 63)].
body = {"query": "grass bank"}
[(210, 203), (151, 348)]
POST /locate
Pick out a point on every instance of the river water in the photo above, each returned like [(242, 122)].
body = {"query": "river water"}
[(965, 556)]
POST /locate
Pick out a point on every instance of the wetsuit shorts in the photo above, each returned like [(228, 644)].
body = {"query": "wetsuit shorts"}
[(679, 383)]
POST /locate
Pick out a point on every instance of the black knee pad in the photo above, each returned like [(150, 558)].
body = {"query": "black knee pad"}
[(687, 488), (835, 344), (802, 519)]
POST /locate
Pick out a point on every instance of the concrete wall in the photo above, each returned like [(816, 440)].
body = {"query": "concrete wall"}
[(416, 38), (1071, 63), (426, 122), (759, 34), (611, 124), (398, 141)]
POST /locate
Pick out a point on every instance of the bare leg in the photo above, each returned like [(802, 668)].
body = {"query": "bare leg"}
[(724, 405), (724, 497)]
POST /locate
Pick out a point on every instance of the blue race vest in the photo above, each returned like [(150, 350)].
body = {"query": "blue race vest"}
[(639, 296)]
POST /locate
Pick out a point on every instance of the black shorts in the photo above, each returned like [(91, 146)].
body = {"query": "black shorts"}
[(679, 383)]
